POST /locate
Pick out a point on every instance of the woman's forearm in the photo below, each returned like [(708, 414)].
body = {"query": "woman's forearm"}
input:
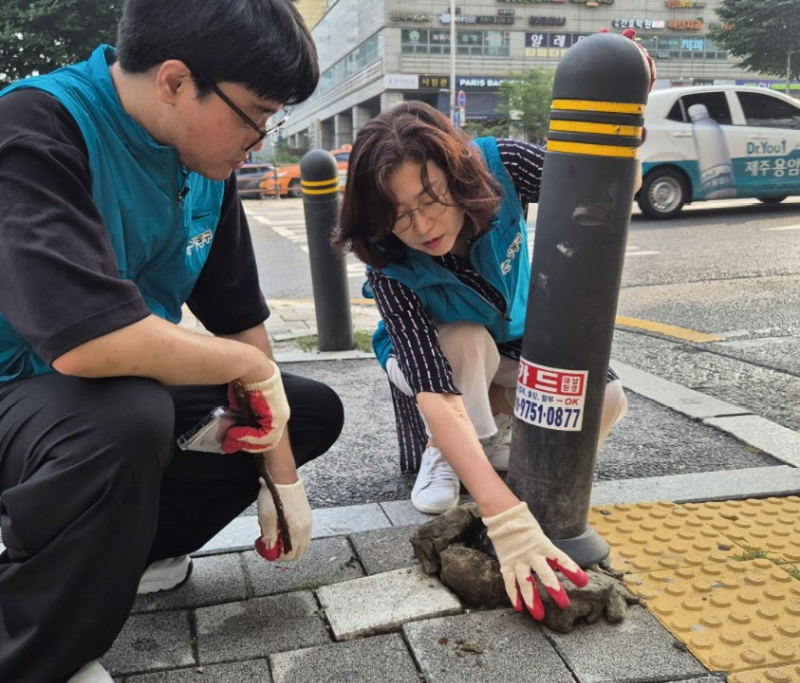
[(454, 435)]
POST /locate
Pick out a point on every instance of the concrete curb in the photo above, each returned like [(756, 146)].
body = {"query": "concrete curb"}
[(773, 439)]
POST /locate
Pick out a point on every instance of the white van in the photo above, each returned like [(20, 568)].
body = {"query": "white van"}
[(718, 142)]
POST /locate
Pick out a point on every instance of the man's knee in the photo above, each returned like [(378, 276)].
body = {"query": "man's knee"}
[(135, 423), (332, 412)]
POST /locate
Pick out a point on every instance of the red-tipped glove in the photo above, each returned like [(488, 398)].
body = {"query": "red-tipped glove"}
[(267, 405), (298, 518), (522, 550), (651, 67)]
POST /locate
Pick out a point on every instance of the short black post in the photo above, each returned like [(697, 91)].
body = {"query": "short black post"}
[(319, 176), (597, 114)]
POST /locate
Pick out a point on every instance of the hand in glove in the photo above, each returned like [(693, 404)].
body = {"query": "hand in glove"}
[(298, 518), (522, 548), (266, 407), (651, 67), (648, 60)]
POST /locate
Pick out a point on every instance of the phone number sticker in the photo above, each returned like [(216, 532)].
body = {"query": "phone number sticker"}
[(549, 397)]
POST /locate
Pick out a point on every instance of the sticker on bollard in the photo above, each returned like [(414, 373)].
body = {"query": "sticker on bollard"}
[(550, 397)]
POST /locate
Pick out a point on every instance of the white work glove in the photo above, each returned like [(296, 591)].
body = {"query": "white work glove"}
[(267, 407), (522, 548), (298, 518)]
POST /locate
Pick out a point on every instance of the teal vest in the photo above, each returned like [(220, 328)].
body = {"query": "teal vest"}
[(499, 255), (161, 218)]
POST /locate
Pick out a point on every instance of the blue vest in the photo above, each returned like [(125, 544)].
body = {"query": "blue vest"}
[(161, 218), (499, 255)]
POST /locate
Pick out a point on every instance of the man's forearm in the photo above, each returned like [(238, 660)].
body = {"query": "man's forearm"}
[(163, 351), (256, 336), (280, 460)]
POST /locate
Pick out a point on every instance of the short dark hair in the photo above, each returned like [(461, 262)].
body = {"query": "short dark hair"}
[(261, 44), (416, 132)]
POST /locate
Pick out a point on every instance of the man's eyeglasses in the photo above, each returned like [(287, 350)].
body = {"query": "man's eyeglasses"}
[(430, 208), (262, 132)]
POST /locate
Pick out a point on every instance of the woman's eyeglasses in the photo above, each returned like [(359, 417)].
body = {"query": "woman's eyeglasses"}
[(262, 132), (430, 208)]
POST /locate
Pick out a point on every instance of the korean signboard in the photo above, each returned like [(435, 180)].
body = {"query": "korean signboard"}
[(646, 24), (550, 44)]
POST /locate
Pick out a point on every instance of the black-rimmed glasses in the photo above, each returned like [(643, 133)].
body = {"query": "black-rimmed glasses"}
[(262, 132), (430, 208)]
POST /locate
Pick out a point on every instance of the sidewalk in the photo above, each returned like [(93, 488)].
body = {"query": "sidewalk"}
[(713, 556)]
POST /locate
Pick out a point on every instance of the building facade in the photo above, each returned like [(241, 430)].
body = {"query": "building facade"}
[(311, 10), (376, 53)]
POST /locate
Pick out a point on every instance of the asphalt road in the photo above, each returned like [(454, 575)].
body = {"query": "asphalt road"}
[(730, 270)]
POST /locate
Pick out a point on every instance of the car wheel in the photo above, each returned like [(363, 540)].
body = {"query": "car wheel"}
[(663, 193), (295, 190), (771, 200)]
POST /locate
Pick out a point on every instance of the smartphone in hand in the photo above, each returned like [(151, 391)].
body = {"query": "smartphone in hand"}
[(208, 434)]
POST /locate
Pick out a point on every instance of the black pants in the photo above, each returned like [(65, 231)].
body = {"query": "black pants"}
[(92, 489)]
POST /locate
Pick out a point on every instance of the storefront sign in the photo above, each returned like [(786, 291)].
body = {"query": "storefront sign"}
[(401, 82), (411, 16), (428, 82), (479, 82), (685, 25), (506, 12), (540, 44), (547, 21), (646, 24), (476, 19), (716, 26), (684, 4)]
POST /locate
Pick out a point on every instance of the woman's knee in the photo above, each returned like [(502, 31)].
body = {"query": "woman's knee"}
[(615, 404), (467, 342)]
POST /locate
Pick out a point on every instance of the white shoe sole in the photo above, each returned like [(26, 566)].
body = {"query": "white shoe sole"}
[(434, 509), (167, 578)]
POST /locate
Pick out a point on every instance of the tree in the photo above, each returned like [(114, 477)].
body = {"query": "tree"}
[(525, 99), (763, 34), (39, 36)]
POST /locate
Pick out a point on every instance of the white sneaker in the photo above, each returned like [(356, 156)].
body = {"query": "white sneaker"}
[(162, 575), (437, 487), (498, 447), (93, 672)]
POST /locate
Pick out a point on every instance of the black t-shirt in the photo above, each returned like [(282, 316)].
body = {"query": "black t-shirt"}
[(59, 282)]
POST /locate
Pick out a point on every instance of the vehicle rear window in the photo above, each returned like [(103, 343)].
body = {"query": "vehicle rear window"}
[(716, 103)]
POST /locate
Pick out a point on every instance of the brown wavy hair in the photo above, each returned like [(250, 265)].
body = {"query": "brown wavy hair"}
[(415, 132)]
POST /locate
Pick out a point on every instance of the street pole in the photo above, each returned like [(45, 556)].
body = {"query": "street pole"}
[(599, 94), (319, 176), (453, 61)]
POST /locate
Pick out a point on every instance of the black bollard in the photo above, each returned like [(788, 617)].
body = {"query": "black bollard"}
[(589, 170), (319, 176)]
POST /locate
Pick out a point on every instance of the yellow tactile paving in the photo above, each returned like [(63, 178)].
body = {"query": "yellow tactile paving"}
[(661, 535), (778, 674), (771, 525), (732, 617)]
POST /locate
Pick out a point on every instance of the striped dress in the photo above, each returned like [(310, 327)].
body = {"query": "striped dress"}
[(411, 329)]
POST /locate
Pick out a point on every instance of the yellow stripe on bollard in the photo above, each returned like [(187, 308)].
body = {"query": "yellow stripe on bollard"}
[(598, 128), (592, 105), (592, 150), (317, 183), (330, 190)]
